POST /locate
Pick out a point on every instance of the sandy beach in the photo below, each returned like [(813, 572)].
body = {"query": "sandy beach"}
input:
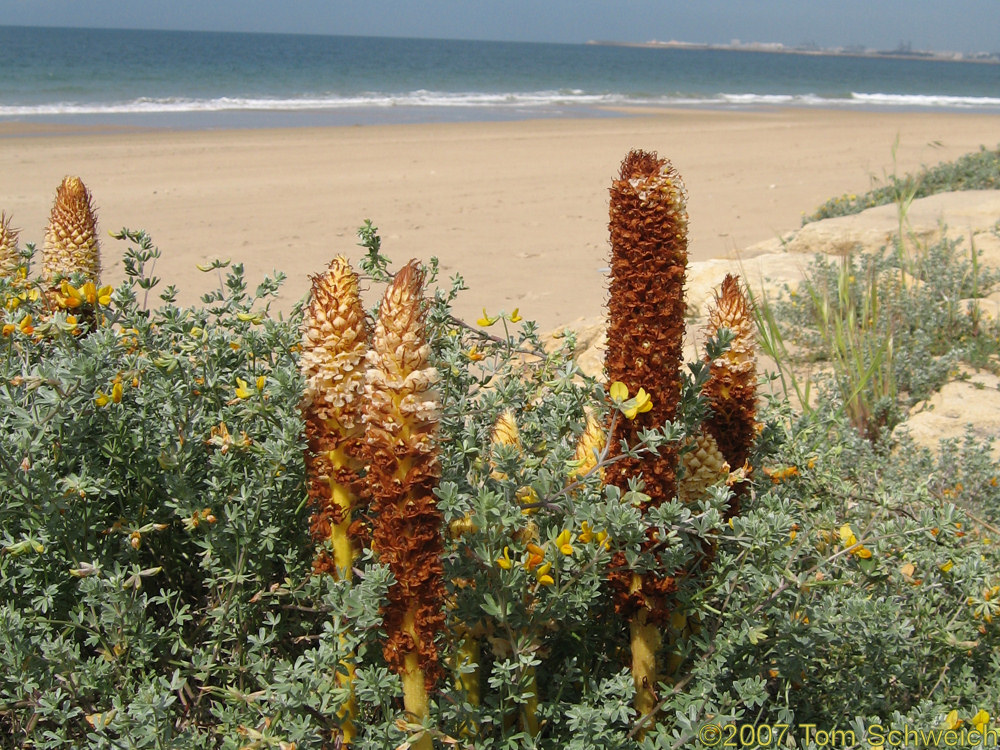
[(518, 208)]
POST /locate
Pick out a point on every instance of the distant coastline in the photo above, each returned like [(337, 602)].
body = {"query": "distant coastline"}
[(904, 52)]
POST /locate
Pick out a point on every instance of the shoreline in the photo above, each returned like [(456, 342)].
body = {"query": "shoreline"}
[(518, 208), (87, 123)]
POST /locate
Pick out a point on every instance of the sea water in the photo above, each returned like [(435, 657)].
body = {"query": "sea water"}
[(205, 79)]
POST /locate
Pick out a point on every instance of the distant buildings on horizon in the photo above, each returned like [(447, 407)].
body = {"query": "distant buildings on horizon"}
[(809, 48)]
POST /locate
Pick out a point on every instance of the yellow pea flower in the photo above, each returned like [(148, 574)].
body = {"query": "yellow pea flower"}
[(847, 536), (951, 721), (104, 295), (486, 321), (261, 381), (945, 567), (515, 317), (565, 542), (586, 533), (69, 296), (641, 403), (602, 540), (116, 392), (242, 391), (474, 354), (618, 391), (980, 720), (546, 580), (504, 560), (102, 399)]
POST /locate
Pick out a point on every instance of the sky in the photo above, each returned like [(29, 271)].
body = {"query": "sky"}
[(944, 25)]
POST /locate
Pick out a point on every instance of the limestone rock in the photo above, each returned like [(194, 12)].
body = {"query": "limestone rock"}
[(950, 411)]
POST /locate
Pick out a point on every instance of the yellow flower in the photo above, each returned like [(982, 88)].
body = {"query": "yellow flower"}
[(116, 392), (474, 354), (101, 399), (586, 533), (261, 380), (565, 542), (515, 317), (69, 296), (486, 321), (242, 391), (945, 567), (847, 536), (618, 391), (635, 406), (951, 721), (546, 580), (104, 296), (980, 720), (504, 561)]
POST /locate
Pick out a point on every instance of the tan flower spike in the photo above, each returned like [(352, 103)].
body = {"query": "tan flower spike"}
[(10, 259), (334, 342), (731, 390), (401, 418), (588, 448), (71, 244), (704, 467)]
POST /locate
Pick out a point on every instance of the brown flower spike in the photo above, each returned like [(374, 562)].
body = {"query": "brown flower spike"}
[(10, 259), (401, 417), (645, 341), (71, 244), (731, 390), (646, 309)]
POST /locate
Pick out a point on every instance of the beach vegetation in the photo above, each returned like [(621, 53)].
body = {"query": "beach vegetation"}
[(204, 543), (979, 170), (884, 330)]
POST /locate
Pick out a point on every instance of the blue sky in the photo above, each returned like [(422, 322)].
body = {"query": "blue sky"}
[(960, 25)]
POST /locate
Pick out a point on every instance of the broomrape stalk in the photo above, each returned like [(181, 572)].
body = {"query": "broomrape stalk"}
[(648, 226), (588, 450), (10, 259), (71, 244), (334, 342), (731, 389), (401, 418)]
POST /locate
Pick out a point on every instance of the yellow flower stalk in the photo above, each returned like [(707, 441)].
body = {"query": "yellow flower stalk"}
[(648, 227), (731, 390), (334, 343), (10, 259), (71, 243), (401, 418)]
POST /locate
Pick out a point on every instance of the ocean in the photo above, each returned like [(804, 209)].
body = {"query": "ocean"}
[(202, 79)]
